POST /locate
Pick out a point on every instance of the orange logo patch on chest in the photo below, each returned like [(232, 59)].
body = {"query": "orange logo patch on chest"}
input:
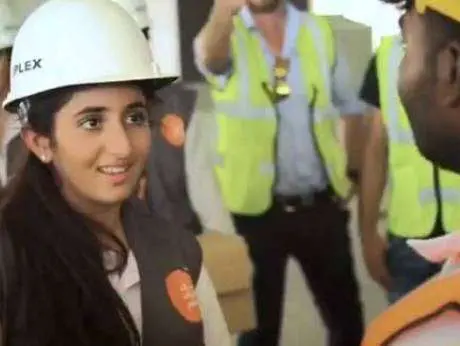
[(173, 129), (179, 286)]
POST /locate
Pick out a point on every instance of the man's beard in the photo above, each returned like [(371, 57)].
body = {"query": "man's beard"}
[(265, 8), (435, 138)]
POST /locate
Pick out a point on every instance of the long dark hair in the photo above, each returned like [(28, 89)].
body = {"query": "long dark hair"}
[(58, 292)]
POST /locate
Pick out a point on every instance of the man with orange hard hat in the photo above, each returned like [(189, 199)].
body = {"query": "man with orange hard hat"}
[(429, 87)]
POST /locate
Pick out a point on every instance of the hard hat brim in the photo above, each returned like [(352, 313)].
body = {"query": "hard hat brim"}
[(152, 84), (160, 83)]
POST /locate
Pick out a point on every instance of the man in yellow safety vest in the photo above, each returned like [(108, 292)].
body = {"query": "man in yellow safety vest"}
[(424, 200), (429, 87), (279, 82)]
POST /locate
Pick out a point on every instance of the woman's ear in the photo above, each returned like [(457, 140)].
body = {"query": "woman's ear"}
[(38, 144)]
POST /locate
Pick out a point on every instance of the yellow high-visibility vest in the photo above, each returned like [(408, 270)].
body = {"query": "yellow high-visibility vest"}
[(412, 206), (246, 118)]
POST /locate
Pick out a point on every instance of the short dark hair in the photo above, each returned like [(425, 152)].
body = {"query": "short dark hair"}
[(401, 4)]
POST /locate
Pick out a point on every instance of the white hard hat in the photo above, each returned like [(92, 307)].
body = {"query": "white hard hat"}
[(8, 26), (138, 10), (76, 42)]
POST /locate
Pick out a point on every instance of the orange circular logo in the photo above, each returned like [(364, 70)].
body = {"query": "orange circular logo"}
[(173, 129), (179, 286)]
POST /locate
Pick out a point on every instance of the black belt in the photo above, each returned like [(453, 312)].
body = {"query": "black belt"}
[(291, 204)]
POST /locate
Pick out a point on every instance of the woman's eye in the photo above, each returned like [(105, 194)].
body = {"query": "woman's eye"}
[(91, 122), (138, 118)]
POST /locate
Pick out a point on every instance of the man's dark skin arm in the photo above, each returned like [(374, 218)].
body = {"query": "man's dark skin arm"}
[(372, 183)]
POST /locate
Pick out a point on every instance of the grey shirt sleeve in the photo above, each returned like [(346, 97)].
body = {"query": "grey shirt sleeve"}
[(202, 185), (218, 81), (344, 95)]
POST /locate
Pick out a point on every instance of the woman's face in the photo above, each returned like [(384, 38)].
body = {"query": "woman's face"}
[(102, 140)]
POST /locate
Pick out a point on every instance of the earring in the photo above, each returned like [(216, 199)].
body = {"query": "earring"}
[(44, 158)]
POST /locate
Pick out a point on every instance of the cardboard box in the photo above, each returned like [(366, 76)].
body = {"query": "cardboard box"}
[(229, 266)]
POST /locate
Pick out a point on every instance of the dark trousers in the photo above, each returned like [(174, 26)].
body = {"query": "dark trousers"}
[(407, 268), (317, 237)]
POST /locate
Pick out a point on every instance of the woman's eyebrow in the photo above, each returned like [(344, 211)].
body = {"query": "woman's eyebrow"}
[(101, 109), (136, 105), (92, 109)]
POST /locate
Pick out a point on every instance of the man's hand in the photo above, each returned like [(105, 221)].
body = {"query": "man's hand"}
[(371, 190), (374, 252)]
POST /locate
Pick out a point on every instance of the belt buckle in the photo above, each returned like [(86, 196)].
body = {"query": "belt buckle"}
[(303, 201), (288, 208)]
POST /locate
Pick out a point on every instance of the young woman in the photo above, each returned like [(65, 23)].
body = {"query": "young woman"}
[(82, 261)]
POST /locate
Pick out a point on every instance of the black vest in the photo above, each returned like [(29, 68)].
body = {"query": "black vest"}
[(167, 187), (161, 249)]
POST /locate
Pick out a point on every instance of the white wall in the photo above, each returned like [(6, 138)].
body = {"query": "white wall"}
[(383, 19), (22, 8), (165, 35)]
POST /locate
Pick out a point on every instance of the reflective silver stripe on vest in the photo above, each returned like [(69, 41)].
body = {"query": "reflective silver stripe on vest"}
[(399, 135), (396, 133), (449, 195), (427, 195), (241, 107)]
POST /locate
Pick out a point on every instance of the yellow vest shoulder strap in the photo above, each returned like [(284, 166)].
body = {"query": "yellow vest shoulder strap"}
[(328, 35)]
